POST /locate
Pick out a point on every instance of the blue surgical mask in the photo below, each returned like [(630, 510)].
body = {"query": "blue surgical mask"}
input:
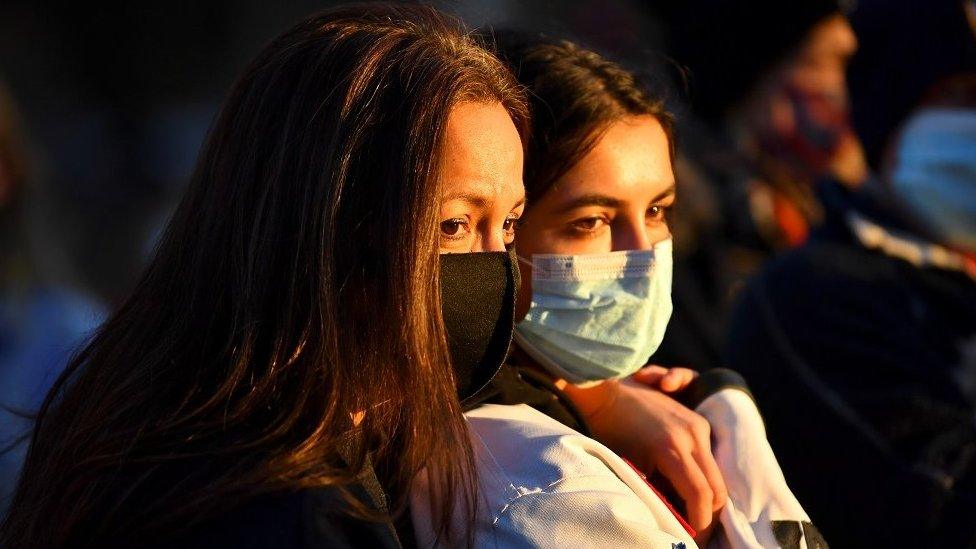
[(597, 316), (935, 173)]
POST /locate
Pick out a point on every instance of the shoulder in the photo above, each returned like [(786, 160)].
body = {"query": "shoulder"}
[(314, 517), (824, 261), (540, 481), (506, 436), (829, 285)]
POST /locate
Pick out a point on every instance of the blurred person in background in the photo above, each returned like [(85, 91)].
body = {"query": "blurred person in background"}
[(861, 345), (770, 79), (42, 319), (768, 118)]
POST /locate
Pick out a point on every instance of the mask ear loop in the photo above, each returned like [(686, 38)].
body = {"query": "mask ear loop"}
[(513, 267)]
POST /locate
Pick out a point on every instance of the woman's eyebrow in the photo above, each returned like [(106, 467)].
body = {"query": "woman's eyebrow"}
[(605, 201), (665, 194), (594, 199), (520, 203), (476, 200)]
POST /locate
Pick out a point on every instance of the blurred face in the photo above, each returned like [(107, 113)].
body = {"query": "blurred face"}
[(481, 180), (799, 115), (820, 66), (615, 198)]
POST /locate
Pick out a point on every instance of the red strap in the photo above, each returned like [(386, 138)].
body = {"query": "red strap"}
[(681, 520)]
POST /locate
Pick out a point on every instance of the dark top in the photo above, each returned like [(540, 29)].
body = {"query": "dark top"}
[(514, 383), (308, 518), (852, 356)]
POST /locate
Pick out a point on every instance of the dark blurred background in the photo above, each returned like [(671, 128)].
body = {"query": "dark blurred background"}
[(115, 98), (103, 108)]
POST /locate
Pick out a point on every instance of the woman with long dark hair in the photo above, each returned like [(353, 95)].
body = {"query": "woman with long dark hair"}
[(283, 368)]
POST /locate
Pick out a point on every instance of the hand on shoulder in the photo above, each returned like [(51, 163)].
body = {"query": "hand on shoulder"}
[(635, 418)]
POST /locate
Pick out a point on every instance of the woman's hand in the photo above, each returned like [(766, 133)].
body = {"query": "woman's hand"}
[(655, 432), (668, 380)]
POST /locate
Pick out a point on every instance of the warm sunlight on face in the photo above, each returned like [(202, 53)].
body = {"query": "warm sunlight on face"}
[(616, 198), (481, 180)]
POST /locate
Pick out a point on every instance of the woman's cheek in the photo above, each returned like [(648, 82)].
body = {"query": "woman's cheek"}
[(658, 233), (578, 244)]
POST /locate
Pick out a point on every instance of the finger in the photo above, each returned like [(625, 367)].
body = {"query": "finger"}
[(671, 381), (650, 375), (676, 379), (720, 495), (706, 462), (704, 535), (688, 372), (686, 475)]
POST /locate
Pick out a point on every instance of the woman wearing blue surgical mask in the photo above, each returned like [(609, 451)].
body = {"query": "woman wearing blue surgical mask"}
[(595, 253)]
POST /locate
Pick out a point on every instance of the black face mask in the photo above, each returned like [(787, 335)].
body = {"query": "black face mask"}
[(478, 303)]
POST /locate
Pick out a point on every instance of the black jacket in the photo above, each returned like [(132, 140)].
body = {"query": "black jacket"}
[(852, 355), (309, 518)]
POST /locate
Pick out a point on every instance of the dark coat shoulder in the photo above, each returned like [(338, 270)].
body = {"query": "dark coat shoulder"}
[(315, 517)]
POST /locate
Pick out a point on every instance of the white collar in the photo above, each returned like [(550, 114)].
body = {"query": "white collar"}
[(904, 246)]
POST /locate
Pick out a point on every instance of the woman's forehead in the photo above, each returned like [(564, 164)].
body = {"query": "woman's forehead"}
[(482, 156), (630, 161)]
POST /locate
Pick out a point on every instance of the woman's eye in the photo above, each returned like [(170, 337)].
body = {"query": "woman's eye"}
[(588, 223), (658, 212), (510, 224), (454, 227)]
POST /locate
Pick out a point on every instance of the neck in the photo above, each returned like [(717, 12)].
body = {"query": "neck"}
[(589, 400)]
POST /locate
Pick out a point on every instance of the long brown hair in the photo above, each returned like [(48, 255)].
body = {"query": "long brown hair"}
[(575, 95), (291, 289)]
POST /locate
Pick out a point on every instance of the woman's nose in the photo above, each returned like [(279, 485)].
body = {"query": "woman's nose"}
[(490, 241), (631, 234)]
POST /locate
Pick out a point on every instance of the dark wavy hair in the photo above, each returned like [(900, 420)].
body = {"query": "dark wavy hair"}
[(575, 95), (291, 290)]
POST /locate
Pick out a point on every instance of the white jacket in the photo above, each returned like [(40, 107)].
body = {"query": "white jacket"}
[(542, 484)]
